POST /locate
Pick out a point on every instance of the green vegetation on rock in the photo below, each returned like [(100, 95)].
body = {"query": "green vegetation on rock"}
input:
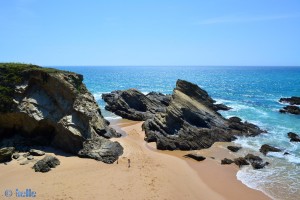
[(12, 74)]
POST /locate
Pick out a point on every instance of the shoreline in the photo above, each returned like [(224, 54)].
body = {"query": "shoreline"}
[(152, 175), (219, 178)]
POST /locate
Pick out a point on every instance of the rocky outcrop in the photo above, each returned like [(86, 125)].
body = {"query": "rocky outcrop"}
[(234, 148), (101, 149), (134, 105), (49, 107), (291, 101), (195, 156), (6, 154), (290, 109), (46, 164), (191, 122), (294, 137), (267, 148)]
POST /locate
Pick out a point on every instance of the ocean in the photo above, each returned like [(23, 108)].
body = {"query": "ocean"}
[(252, 92)]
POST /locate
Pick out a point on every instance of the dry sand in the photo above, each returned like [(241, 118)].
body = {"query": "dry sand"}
[(153, 174)]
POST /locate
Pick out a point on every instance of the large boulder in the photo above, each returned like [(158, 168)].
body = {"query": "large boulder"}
[(134, 105), (101, 149), (267, 148), (6, 154), (45, 164), (191, 122), (291, 101), (256, 161), (294, 137), (49, 107)]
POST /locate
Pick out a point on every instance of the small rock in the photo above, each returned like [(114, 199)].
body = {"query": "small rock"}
[(266, 148), (25, 155), (286, 153), (30, 157), (15, 155), (240, 161), (6, 154), (36, 152), (195, 156), (45, 164), (234, 148), (294, 137), (258, 165), (226, 161)]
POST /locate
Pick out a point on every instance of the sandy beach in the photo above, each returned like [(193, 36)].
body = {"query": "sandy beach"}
[(152, 174)]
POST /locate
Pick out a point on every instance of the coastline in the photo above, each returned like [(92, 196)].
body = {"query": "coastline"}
[(221, 179), (152, 174)]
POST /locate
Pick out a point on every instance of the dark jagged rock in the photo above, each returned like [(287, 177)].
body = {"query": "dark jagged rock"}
[(226, 161), (102, 150), (159, 98), (234, 148), (294, 137), (290, 109), (291, 101), (240, 161), (252, 158), (6, 154), (221, 107), (256, 161), (46, 164), (36, 152), (258, 165), (267, 148), (190, 122), (195, 156), (134, 105), (48, 107)]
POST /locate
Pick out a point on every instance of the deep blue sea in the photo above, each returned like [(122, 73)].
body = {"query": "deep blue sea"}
[(252, 92)]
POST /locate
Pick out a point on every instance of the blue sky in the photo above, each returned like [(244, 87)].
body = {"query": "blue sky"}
[(150, 32)]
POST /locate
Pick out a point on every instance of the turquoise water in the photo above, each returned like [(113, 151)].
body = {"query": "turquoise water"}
[(252, 92)]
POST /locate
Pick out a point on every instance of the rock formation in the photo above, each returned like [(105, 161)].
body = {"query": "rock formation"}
[(291, 101), (267, 148), (191, 122), (42, 106), (294, 137), (292, 108), (186, 120), (234, 148), (6, 154), (45, 164), (134, 105)]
